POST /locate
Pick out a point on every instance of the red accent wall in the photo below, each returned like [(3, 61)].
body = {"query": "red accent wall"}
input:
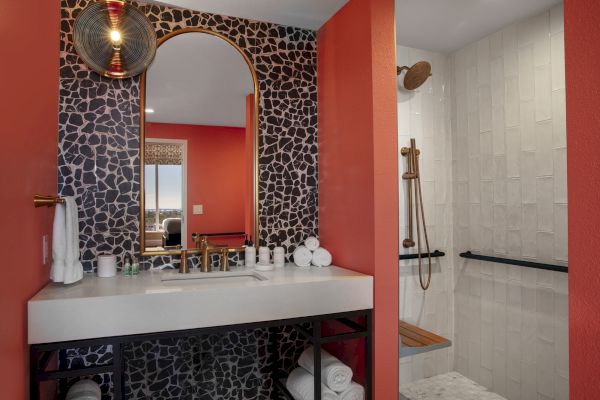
[(582, 47), (358, 165), (29, 107), (215, 160)]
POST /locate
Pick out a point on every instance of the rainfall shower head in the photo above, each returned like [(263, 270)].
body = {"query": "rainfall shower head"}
[(416, 75)]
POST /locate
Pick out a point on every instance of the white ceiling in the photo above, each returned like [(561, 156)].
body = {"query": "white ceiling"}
[(198, 79), (308, 14), (448, 25)]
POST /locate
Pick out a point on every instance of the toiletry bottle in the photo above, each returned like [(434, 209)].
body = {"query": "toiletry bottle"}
[(127, 266), (279, 256), (250, 254), (135, 267)]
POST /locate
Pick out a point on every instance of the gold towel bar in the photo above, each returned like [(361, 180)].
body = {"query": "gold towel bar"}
[(48, 201)]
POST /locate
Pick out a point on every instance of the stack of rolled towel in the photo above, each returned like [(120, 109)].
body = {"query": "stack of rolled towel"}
[(312, 253), (336, 379)]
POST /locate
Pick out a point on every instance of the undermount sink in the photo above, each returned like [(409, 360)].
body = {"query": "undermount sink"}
[(210, 278)]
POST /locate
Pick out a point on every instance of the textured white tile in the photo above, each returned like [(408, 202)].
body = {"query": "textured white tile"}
[(473, 127), (496, 45), (545, 204), (487, 202), (557, 19), (528, 183), (513, 243), (544, 368), (561, 388), (497, 82), (513, 203), (500, 186), (543, 93), (513, 152), (528, 231), (483, 61), (511, 101), (541, 49), (560, 175), (472, 88), (485, 108), (559, 118), (527, 116), (544, 158), (545, 247), (528, 381), (498, 132), (561, 248), (558, 61), (526, 73)]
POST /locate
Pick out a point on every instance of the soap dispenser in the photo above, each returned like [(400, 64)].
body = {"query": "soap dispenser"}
[(250, 254)]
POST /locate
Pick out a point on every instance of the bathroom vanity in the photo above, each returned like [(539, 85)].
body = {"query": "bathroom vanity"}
[(165, 304)]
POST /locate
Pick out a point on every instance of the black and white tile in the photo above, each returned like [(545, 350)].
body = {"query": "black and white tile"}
[(99, 132)]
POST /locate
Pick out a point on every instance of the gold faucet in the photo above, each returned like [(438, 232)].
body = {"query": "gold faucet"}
[(183, 264), (206, 248)]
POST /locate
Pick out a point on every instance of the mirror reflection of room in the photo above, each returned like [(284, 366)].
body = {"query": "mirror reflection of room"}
[(199, 144)]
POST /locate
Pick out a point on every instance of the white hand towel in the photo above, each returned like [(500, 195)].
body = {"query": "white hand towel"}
[(354, 392), (302, 256), (301, 383), (321, 258), (312, 243), (66, 266), (334, 373)]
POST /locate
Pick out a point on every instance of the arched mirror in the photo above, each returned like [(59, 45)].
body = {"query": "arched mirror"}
[(199, 138)]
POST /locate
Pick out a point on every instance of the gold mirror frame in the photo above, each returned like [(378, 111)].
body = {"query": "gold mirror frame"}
[(256, 137)]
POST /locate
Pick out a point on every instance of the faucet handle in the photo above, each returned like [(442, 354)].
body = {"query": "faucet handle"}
[(184, 268)]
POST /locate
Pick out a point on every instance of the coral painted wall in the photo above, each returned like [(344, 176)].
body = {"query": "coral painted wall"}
[(28, 165), (358, 165), (582, 38), (215, 175)]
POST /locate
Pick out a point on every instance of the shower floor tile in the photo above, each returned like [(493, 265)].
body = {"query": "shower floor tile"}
[(450, 386)]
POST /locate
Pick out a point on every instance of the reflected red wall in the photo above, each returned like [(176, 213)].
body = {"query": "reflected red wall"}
[(29, 106), (249, 184), (582, 47), (358, 166), (215, 175)]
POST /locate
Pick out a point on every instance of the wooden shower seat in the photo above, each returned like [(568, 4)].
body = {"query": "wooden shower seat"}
[(414, 340)]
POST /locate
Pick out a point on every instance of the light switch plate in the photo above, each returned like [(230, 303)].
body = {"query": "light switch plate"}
[(198, 209)]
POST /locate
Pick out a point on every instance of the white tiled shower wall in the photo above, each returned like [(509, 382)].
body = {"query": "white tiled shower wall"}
[(424, 114), (510, 200), (496, 109)]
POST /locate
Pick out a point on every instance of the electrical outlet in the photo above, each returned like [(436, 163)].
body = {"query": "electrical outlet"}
[(198, 209), (45, 249)]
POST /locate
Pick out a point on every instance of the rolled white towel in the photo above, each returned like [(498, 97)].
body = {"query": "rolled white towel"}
[(334, 373), (312, 243), (85, 389), (354, 392), (302, 256), (301, 383), (321, 258)]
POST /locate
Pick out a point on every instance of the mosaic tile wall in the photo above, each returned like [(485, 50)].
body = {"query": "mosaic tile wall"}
[(99, 132)]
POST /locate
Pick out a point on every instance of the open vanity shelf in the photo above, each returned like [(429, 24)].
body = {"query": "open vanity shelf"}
[(415, 340), (309, 327)]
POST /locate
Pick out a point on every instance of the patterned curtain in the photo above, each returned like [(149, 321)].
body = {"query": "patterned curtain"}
[(163, 154)]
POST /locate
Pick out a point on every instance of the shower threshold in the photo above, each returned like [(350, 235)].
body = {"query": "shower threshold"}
[(450, 386), (414, 340)]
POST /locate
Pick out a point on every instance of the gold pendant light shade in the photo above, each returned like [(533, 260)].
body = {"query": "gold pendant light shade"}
[(114, 39)]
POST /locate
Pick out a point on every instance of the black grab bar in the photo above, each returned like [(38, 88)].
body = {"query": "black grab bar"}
[(436, 253), (510, 261)]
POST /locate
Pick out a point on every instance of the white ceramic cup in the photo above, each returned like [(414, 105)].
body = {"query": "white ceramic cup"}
[(279, 257), (107, 265), (264, 255)]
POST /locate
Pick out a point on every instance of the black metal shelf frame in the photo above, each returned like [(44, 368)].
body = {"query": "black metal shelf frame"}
[(510, 261), (41, 354), (434, 254)]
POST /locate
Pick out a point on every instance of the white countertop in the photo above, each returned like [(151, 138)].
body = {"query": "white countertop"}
[(103, 307)]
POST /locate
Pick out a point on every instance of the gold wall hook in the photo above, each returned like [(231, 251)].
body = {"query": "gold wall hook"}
[(47, 201)]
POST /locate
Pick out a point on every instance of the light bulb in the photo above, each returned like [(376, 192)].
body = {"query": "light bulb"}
[(115, 36)]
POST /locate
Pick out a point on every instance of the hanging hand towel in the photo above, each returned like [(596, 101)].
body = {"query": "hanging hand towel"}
[(301, 383), (354, 392), (334, 373), (66, 266)]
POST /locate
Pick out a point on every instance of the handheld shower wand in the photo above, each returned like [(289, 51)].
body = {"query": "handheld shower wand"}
[(413, 176)]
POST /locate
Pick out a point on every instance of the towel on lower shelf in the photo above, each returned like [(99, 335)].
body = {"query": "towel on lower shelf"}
[(300, 383), (354, 392), (334, 373), (66, 266)]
